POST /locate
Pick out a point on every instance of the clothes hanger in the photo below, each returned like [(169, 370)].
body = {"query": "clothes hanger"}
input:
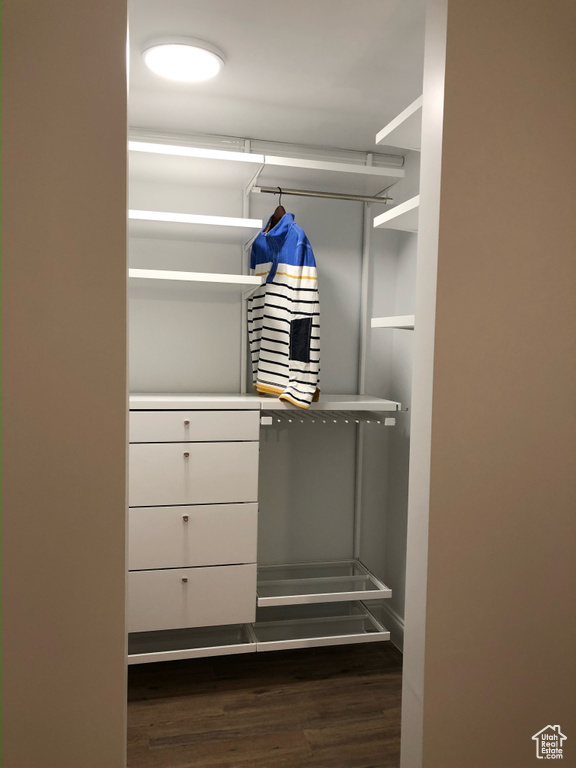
[(278, 213)]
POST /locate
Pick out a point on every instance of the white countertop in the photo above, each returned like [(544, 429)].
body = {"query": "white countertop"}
[(234, 402)]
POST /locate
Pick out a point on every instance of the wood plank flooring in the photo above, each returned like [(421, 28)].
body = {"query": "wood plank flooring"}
[(337, 707)]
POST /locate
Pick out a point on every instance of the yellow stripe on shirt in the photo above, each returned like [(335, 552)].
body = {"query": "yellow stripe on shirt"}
[(289, 399), (297, 277), (268, 390)]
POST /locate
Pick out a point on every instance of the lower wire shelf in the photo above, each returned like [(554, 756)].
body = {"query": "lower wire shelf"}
[(276, 628), (198, 642), (310, 626), (303, 583)]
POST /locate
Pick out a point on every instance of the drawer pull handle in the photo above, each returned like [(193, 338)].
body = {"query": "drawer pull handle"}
[(187, 423), (185, 518), (184, 580), (186, 455)]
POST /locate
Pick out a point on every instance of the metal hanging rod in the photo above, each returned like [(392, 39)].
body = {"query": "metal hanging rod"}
[(329, 195)]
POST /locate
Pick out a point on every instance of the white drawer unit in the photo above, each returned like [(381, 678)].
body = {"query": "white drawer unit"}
[(181, 537), (193, 529), (191, 597), (166, 474), (193, 426), (193, 493)]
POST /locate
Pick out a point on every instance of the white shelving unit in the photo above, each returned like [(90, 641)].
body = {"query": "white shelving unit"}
[(405, 131), (403, 217), (205, 278), (402, 322), (169, 162), (190, 226), (298, 605)]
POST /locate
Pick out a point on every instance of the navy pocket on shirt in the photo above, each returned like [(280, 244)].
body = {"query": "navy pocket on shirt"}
[(300, 332)]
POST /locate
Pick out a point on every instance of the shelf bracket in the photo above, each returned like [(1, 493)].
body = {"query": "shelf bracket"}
[(248, 244), (253, 181), (250, 291)]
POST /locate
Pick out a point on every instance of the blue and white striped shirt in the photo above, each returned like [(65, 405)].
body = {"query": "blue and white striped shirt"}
[(284, 314)]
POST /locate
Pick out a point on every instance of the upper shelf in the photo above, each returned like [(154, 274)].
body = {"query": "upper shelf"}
[(155, 161), (405, 131), (403, 217), (190, 226), (321, 175)]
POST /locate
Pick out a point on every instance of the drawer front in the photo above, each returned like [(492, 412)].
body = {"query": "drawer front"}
[(184, 426), (191, 597), (180, 537), (192, 473)]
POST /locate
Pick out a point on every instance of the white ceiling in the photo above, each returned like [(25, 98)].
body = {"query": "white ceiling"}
[(327, 73)]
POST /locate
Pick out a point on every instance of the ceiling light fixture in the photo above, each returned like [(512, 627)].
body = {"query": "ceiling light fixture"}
[(183, 58)]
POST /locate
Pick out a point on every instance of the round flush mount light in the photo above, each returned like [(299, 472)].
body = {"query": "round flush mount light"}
[(183, 58)]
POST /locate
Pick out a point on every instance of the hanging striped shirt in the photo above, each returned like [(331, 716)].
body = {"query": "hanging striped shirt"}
[(284, 314)]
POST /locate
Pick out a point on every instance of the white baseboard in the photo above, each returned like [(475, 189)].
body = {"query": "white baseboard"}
[(395, 624)]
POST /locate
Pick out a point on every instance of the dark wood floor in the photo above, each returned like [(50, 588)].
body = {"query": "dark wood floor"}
[(335, 706)]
